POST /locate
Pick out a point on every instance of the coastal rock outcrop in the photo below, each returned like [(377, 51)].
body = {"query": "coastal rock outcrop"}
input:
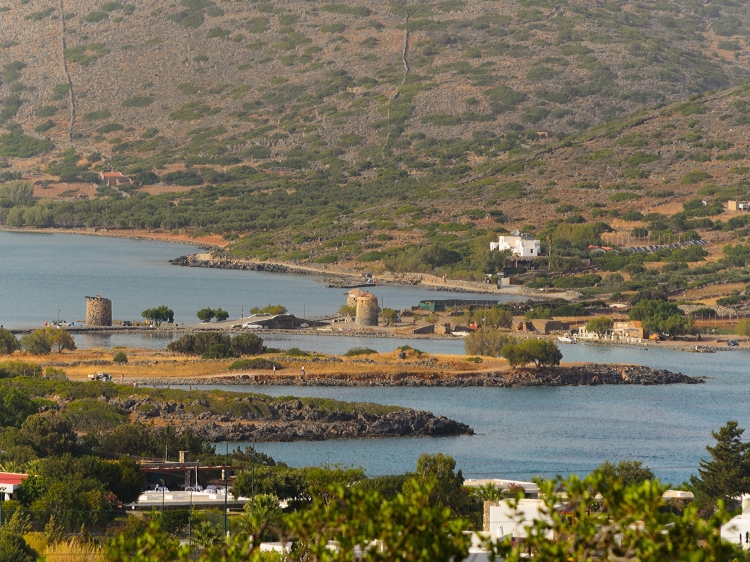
[(288, 421), (591, 374)]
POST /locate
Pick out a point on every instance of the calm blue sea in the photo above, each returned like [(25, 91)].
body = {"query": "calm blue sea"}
[(520, 432), (43, 273)]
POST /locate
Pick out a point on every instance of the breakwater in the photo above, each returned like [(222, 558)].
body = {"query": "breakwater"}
[(569, 375)]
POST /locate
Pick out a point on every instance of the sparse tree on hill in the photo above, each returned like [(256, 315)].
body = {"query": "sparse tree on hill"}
[(205, 314)]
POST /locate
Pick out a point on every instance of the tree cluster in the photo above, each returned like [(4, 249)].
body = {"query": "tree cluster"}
[(159, 315), (42, 342), (207, 314), (215, 345), (494, 343)]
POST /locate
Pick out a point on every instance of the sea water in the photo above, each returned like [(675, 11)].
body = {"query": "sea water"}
[(520, 431)]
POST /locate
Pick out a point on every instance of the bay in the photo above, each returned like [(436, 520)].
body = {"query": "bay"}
[(520, 431), (43, 273)]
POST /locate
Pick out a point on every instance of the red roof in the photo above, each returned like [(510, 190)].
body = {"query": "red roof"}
[(112, 175), (12, 478)]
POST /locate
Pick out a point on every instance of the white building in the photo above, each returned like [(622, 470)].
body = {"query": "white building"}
[(522, 245), (737, 529)]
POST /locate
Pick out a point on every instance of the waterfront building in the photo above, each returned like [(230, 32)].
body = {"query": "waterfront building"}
[(522, 245)]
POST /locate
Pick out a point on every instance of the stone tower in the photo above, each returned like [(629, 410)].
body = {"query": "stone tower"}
[(353, 295), (98, 311), (367, 310)]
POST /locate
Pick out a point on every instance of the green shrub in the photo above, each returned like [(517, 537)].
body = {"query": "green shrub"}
[(138, 101), (259, 363), (296, 352), (355, 351), (120, 358), (695, 177), (97, 115), (95, 16)]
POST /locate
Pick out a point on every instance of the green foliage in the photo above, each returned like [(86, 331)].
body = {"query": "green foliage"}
[(247, 344), (36, 343), (205, 314), (120, 358), (192, 111), (601, 501), (743, 327), (600, 325), (15, 407), (221, 314), (159, 315), (49, 434), (8, 341), (357, 351), (726, 476), (20, 369), (259, 363), (629, 473), (541, 352), (213, 345), (138, 101), (487, 341), (695, 177), (660, 316), (272, 309), (410, 527), (13, 548), (95, 16)]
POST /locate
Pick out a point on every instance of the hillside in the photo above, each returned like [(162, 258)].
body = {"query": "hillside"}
[(344, 133)]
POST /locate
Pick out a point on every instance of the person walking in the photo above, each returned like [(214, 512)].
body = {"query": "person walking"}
[(303, 370)]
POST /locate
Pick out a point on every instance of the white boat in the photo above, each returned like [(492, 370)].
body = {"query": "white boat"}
[(567, 339)]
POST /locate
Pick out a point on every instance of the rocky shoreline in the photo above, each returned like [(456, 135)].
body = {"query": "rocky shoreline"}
[(286, 420), (573, 375)]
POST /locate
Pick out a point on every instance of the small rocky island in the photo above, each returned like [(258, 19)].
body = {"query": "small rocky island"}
[(263, 419)]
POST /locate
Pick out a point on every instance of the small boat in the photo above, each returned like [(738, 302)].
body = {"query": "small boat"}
[(567, 339)]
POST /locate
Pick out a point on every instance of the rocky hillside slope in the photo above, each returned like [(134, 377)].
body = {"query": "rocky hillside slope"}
[(340, 131)]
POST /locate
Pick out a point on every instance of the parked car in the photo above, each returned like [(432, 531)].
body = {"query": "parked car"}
[(733, 343), (211, 489), (251, 326)]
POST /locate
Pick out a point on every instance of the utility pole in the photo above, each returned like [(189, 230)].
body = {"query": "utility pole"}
[(226, 487)]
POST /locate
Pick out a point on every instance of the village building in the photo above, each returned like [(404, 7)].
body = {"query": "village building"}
[(738, 206), (113, 179), (626, 332), (10, 483), (522, 245)]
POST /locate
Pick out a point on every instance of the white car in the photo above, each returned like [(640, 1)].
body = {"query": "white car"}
[(251, 326)]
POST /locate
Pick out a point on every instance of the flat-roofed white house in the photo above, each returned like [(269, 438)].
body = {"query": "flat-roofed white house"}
[(522, 245)]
